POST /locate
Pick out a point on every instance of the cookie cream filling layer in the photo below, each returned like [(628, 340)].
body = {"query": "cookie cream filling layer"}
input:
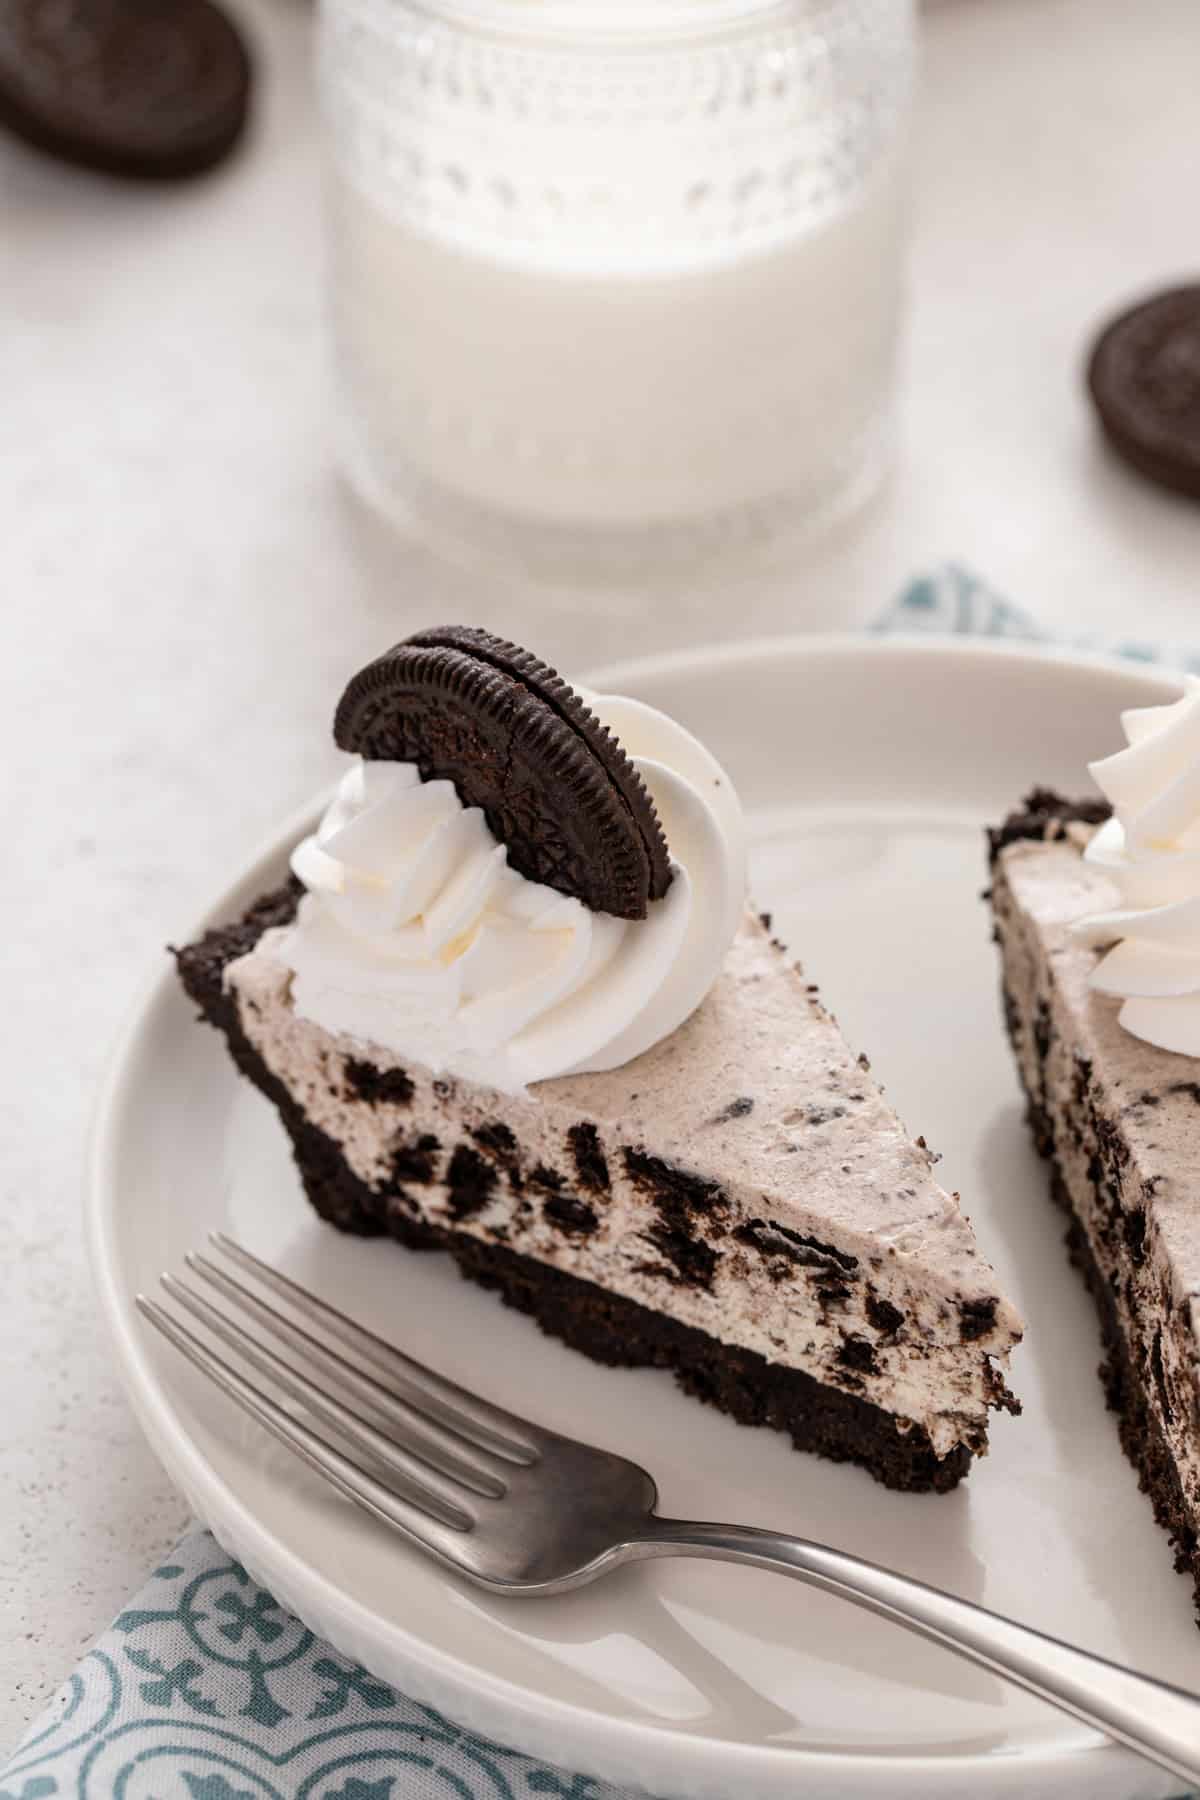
[(814, 1233), (1133, 1191), (416, 935)]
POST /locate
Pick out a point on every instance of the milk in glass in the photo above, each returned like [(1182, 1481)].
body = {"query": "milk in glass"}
[(615, 281)]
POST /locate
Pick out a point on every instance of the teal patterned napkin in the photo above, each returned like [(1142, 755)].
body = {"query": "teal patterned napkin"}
[(952, 599), (207, 1689)]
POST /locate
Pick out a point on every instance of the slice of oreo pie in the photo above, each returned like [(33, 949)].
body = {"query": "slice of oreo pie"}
[(737, 1204)]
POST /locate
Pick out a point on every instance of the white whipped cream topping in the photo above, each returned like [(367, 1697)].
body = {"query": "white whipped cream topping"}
[(416, 935), (1151, 848)]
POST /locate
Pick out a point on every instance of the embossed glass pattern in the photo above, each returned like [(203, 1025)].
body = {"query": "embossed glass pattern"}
[(615, 279)]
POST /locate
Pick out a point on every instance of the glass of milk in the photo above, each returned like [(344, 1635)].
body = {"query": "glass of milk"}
[(615, 282)]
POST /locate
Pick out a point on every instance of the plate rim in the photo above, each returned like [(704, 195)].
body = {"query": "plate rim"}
[(543, 1724)]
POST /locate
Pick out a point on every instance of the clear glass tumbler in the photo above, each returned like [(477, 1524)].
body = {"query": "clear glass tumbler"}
[(615, 280)]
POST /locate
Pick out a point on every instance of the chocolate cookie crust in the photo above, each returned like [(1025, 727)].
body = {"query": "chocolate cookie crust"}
[(554, 785), (1042, 817)]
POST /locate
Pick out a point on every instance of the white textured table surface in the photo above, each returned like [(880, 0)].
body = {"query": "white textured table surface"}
[(184, 590)]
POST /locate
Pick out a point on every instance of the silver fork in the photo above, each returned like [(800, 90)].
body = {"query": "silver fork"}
[(521, 1510)]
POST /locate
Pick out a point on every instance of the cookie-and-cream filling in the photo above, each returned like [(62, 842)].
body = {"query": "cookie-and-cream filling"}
[(1151, 850), (415, 935), (817, 1160)]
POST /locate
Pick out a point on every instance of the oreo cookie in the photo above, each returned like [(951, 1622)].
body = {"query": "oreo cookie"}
[(1144, 378), (554, 785), (150, 88)]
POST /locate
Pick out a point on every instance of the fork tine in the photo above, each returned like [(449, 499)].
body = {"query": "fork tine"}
[(454, 1407), (356, 1484), (397, 1456), (455, 1456)]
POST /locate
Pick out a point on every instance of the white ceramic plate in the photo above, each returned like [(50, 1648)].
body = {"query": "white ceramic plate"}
[(868, 769)]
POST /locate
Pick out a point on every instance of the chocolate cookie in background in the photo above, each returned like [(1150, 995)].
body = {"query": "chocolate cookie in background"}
[(154, 89), (1144, 378)]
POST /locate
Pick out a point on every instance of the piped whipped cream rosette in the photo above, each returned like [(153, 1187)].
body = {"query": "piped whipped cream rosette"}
[(416, 932), (1151, 849)]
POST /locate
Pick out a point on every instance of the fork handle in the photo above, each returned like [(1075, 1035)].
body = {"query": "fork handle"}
[(1159, 1721)]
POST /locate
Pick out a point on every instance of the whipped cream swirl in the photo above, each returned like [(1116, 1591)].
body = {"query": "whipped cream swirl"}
[(1151, 848), (415, 934)]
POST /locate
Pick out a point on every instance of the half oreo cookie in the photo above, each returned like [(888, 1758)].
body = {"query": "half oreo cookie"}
[(554, 785)]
